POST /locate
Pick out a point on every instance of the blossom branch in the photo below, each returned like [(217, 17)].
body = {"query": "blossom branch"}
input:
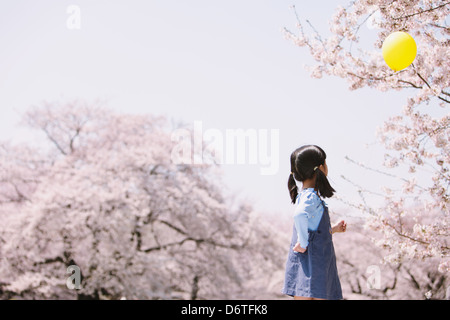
[(422, 12)]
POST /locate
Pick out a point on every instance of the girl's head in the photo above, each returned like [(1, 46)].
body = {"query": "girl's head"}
[(308, 163)]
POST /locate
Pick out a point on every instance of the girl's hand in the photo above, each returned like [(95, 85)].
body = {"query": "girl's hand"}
[(297, 248), (340, 227)]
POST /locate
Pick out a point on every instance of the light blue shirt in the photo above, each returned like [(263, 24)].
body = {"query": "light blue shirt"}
[(307, 214)]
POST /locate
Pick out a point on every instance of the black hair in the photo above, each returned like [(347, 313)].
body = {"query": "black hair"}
[(305, 162)]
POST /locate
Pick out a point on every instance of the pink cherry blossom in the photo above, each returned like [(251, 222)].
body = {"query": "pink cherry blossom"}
[(102, 193)]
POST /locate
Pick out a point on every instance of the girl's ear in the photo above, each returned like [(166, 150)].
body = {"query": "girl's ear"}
[(322, 168)]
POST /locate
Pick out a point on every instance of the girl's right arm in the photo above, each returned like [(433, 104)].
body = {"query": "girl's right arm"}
[(301, 225), (298, 248)]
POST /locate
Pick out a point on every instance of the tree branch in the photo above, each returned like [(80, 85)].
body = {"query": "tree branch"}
[(54, 141), (382, 172), (421, 12)]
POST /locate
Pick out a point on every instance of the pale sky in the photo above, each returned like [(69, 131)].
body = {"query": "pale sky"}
[(224, 63)]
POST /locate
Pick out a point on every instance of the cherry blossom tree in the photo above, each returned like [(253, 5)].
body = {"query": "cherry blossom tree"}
[(363, 274), (102, 193), (417, 139)]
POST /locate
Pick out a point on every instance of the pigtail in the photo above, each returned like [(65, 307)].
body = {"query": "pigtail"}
[(323, 185), (292, 186)]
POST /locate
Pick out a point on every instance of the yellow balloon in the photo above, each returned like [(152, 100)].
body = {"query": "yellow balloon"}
[(399, 50)]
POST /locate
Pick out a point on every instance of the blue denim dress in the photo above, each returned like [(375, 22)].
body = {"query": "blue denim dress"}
[(314, 273)]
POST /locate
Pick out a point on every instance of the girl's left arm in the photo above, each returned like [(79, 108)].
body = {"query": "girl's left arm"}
[(339, 227)]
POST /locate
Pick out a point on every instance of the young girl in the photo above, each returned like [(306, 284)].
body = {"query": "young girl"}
[(311, 271)]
